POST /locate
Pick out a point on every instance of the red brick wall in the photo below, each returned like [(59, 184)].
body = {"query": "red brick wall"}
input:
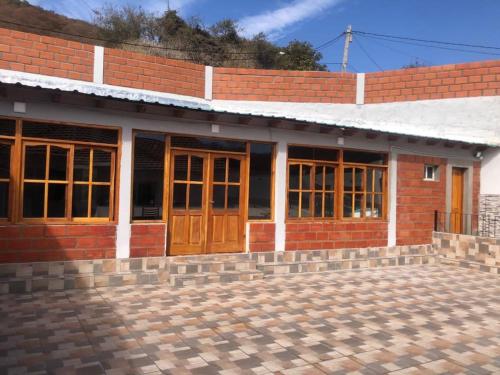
[(283, 86), (262, 237), (335, 235), (136, 70), (147, 240), (436, 82), (31, 243), (45, 55), (418, 199)]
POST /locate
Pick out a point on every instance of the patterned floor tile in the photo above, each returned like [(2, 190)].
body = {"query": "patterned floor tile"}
[(407, 320)]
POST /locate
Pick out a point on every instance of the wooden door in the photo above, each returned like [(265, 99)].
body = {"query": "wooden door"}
[(226, 206), (457, 200), (188, 202)]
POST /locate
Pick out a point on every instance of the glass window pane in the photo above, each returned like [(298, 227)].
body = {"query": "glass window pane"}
[(378, 209), (7, 127), (58, 163), (180, 167), (306, 205), (329, 211), (81, 164), (306, 177), (348, 205), (34, 165), (299, 152), (4, 160), (33, 200), (369, 180), (70, 132), (379, 180), (348, 179), (56, 200), (364, 157), (101, 168), (196, 169), (195, 196), (358, 205), (358, 179), (318, 179), (259, 200), (318, 205), (179, 201), (219, 196), (100, 201), (220, 169), (329, 178), (80, 201), (293, 204), (208, 144), (293, 178), (149, 161), (4, 199), (234, 170), (233, 197), (368, 205), (325, 154)]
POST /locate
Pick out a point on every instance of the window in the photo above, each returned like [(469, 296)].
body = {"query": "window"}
[(66, 172), (5, 156), (149, 176), (322, 176), (260, 186), (431, 173)]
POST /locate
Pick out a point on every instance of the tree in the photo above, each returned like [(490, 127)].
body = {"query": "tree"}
[(299, 55)]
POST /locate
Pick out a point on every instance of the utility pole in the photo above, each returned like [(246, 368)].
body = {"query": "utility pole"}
[(348, 40)]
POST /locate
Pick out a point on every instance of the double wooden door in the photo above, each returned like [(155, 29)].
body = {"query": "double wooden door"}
[(206, 210)]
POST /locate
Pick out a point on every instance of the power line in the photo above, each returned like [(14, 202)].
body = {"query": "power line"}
[(428, 41), (367, 54), (432, 46), (329, 42)]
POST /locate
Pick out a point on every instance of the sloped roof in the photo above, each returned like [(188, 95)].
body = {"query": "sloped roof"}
[(471, 120)]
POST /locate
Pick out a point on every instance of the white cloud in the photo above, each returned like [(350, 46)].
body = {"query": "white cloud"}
[(273, 22)]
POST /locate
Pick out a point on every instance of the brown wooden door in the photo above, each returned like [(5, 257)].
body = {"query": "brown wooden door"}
[(457, 200), (225, 211), (188, 202)]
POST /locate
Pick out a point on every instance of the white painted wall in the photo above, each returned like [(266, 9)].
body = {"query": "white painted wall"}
[(490, 172)]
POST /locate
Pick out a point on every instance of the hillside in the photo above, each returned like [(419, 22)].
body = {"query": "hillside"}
[(164, 34)]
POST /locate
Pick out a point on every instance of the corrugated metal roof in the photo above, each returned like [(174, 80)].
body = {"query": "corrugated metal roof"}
[(470, 120)]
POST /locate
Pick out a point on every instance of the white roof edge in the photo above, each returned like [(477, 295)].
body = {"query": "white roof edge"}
[(405, 118)]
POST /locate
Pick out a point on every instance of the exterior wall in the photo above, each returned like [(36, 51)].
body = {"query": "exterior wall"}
[(436, 82), (418, 199), (27, 243), (479, 253), (147, 240), (32, 53), (262, 237), (335, 235), (131, 69), (283, 86)]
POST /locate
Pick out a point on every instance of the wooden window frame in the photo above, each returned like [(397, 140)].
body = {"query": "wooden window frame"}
[(17, 167), (10, 142), (339, 186)]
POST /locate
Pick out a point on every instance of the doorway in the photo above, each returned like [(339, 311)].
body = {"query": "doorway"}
[(457, 200), (206, 202)]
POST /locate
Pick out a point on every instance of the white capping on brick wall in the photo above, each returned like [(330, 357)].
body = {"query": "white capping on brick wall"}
[(209, 77), (360, 88), (98, 64), (123, 229)]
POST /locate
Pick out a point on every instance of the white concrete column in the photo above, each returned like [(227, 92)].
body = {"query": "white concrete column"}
[(392, 202), (123, 230), (280, 195), (98, 64), (209, 77), (360, 88)]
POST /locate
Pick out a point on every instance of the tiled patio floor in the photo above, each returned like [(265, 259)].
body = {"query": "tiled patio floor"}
[(409, 320)]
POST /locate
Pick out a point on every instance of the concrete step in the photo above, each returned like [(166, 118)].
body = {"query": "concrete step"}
[(221, 257), (198, 266), (182, 280)]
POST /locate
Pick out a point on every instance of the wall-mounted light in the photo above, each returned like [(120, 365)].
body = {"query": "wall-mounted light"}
[(19, 107), (215, 128), (479, 155), (340, 141)]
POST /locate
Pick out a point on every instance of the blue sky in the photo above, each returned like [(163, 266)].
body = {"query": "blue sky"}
[(317, 21)]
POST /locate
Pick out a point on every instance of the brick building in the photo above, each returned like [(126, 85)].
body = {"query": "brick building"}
[(113, 154)]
